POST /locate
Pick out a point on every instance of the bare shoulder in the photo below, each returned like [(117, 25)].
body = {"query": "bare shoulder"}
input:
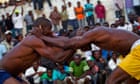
[(32, 40)]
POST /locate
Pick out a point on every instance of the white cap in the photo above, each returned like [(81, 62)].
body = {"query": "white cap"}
[(8, 32)]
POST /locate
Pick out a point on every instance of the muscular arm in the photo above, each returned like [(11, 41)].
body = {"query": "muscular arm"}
[(75, 42), (52, 53)]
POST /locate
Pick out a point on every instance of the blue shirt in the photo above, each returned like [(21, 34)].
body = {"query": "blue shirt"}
[(88, 9), (2, 50), (57, 75)]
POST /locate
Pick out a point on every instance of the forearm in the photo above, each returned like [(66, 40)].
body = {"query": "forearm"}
[(54, 41)]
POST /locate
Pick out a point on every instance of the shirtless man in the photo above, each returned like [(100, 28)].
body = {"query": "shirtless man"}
[(124, 42), (29, 50)]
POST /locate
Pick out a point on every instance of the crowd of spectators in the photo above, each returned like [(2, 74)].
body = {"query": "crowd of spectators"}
[(90, 65)]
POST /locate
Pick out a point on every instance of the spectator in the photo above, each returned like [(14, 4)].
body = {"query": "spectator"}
[(3, 24), (99, 61), (33, 73), (64, 17), (18, 22), (55, 18), (119, 6), (100, 12), (79, 12), (123, 25), (72, 21), (9, 23), (93, 71), (59, 74), (78, 71), (2, 50), (8, 42), (46, 77), (114, 61), (89, 13), (29, 19), (18, 39)]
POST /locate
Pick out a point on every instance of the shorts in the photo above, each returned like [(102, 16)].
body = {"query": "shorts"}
[(4, 75), (131, 63)]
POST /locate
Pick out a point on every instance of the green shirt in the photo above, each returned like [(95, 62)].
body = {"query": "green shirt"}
[(45, 76), (78, 70)]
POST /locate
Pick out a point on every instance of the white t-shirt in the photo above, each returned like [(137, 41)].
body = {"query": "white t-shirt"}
[(18, 21), (127, 27), (71, 13), (112, 65), (31, 71)]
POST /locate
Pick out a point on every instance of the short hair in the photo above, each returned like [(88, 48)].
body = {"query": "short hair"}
[(43, 22)]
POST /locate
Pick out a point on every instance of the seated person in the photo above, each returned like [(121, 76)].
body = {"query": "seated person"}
[(33, 73), (78, 71), (59, 74), (46, 78), (93, 71)]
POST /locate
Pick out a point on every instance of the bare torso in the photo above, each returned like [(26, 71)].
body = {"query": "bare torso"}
[(23, 55), (114, 39)]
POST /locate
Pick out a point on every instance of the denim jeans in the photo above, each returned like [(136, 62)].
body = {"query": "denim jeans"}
[(16, 32), (90, 20), (73, 23), (81, 23), (45, 81)]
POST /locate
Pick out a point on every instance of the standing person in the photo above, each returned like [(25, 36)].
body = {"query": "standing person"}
[(107, 38), (3, 24), (100, 12), (72, 21), (29, 19), (119, 6), (79, 12), (55, 18), (64, 17), (28, 51), (89, 10), (18, 22)]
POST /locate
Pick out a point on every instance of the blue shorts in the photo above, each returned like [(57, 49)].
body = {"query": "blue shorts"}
[(4, 75)]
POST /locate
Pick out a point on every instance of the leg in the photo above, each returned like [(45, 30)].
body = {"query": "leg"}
[(132, 81), (11, 81), (117, 76)]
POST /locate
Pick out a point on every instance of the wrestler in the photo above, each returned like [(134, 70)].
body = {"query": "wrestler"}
[(29, 50), (124, 42)]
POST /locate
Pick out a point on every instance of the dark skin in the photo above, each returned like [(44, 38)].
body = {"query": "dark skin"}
[(29, 50), (105, 38)]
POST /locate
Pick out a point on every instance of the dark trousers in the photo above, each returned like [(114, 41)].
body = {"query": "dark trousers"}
[(90, 20), (38, 4), (49, 2), (73, 23), (65, 24)]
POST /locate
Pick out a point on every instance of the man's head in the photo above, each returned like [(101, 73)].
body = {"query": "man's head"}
[(122, 20), (69, 4), (49, 72), (98, 2), (78, 4), (88, 1), (8, 35), (77, 58), (44, 25), (36, 65), (30, 12)]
